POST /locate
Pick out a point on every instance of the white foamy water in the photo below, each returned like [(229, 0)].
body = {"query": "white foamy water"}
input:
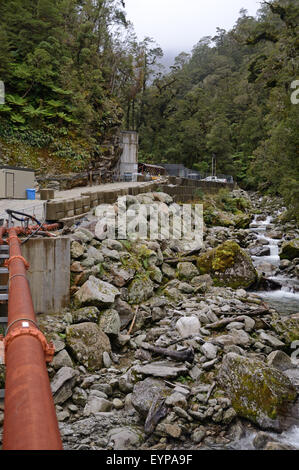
[(285, 301)]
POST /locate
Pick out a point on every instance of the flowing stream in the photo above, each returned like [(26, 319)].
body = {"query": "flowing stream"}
[(286, 301)]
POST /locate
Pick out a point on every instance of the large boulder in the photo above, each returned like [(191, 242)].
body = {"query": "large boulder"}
[(87, 343), (290, 250), (229, 266), (260, 393), (95, 292)]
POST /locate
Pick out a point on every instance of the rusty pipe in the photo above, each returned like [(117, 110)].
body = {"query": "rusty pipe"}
[(30, 421)]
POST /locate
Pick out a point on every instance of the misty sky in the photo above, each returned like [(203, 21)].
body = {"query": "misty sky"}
[(177, 25)]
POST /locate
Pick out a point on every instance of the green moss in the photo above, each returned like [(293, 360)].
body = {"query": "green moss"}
[(258, 391), (222, 264)]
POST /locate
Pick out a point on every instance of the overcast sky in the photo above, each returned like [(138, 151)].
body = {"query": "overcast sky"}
[(177, 25)]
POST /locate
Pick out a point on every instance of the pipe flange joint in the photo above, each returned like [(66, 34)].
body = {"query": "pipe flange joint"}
[(48, 347), (21, 258)]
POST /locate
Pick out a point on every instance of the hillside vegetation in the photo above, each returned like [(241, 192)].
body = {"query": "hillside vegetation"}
[(75, 74)]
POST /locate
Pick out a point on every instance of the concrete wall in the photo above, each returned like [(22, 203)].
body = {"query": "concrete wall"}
[(129, 159), (49, 273)]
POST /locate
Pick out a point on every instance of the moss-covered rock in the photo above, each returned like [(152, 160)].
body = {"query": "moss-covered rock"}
[(287, 328), (140, 289), (229, 266), (86, 343), (243, 221), (186, 271), (290, 250), (258, 392)]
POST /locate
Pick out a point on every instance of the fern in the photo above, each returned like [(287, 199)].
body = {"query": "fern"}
[(16, 100)]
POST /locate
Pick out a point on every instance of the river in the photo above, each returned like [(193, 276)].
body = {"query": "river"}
[(284, 300)]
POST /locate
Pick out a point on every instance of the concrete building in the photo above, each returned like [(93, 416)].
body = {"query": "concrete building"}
[(14, 182), (128, 163)]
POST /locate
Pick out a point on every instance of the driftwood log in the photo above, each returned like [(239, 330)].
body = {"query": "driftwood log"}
[(156, 412), (182, 356)]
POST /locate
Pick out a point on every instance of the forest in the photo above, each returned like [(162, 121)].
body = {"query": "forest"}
[(75, 74)]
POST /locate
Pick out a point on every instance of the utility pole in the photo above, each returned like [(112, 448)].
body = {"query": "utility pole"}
[(214, 165)]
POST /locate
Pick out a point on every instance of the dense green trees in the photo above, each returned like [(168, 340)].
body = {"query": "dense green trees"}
[(75, 73), (232, 98), (72, 71)]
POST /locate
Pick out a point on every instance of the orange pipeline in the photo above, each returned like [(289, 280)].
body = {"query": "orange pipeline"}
[(30, 421)]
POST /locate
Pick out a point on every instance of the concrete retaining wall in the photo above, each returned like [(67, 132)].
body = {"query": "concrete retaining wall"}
[(182, 189), (49, 273)]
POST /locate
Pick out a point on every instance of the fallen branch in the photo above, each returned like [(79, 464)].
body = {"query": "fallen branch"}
[(182, 356), (210, 391), (133, 322), (156, 412), (225, 321)]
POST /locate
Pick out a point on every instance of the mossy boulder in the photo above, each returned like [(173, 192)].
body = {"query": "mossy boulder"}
[(290, 250), (287, 328), (259, 393), (87, 343), (229, 266), (186, 271), (243, 221)]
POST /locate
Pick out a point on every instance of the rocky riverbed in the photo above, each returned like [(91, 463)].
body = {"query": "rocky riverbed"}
[(172, 348)]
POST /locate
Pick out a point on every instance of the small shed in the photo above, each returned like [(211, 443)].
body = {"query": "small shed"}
[(14, 181)]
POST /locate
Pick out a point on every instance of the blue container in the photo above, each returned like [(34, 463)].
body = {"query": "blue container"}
[(30, 194)]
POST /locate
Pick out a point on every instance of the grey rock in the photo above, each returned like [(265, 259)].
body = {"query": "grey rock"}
[(140, 290), (96, 405), (95, 292), (271, 340), (110, 322), (176, 399), (228, 416), (77, 250), (86, 314), (145, 392), (187, 270), (106, 360), (165, 370), (280, 360), (62, 359), (63, 383), (88, 343), (187, 326), (125, 312), (198, 435), (118, 404), (95, 255), (209, 350), (124, 438)]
